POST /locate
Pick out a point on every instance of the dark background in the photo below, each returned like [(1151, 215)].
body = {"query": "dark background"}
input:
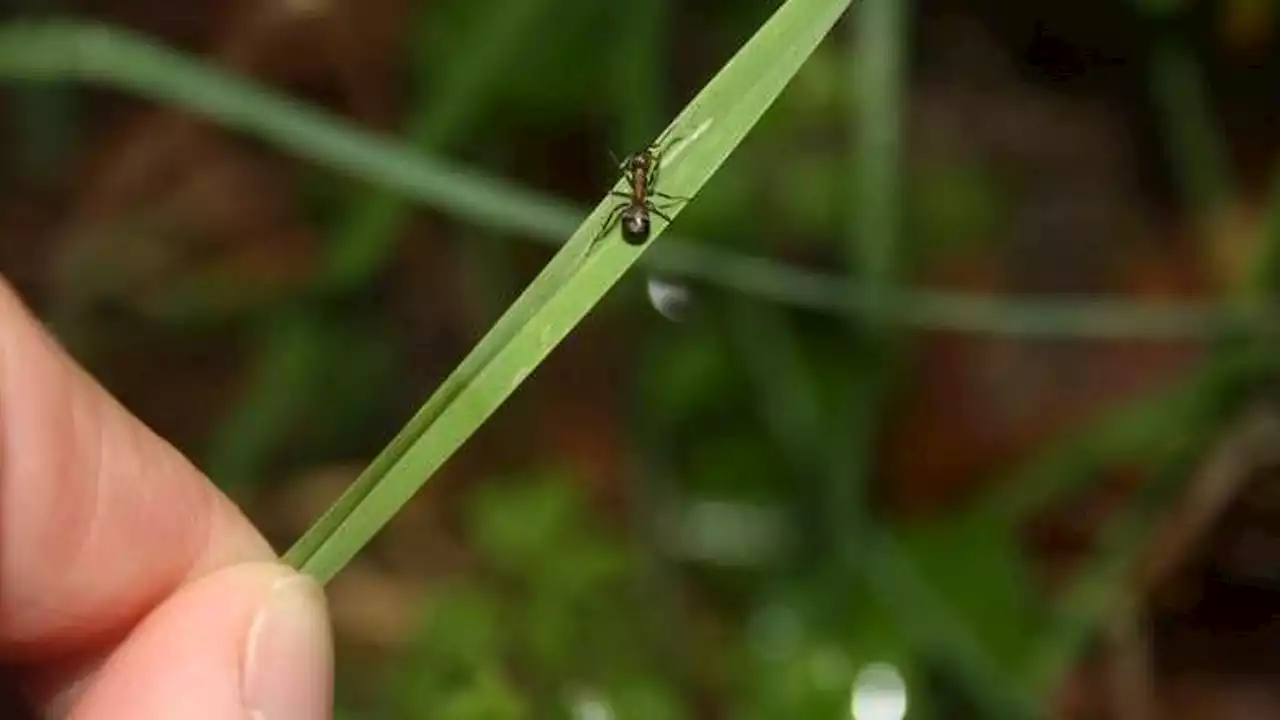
[(740, 513)]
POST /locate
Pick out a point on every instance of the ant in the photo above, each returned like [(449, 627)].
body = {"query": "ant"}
[(641, 173)]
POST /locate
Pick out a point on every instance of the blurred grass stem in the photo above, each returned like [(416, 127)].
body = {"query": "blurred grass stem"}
[(64, 51)]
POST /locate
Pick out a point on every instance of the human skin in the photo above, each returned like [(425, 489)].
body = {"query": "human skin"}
[(129, 585)]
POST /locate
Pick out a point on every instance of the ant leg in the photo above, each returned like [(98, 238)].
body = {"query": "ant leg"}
[(656, 151), (619, 193), (609, 221), (665, 196), (668, 201), (651, 178), (657, 154), (662, 144), (659, 213)]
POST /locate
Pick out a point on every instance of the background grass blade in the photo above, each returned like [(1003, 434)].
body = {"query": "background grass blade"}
[(59, 51), (369, 227), (63, 50), (709, 129)]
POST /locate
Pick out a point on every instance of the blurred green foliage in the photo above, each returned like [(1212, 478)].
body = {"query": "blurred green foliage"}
[(765, 414), (555, 620)]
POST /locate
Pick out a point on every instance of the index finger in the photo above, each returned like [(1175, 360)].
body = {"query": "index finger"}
[(100, 519)]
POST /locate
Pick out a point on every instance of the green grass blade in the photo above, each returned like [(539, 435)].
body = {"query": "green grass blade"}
[(1132, 431), (367, 231), (574, 281), (48, 51), (1266, 274), (878, 76), (877, 65), (1192, 135)]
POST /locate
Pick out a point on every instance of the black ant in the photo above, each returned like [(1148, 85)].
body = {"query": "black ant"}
[(641, 173)]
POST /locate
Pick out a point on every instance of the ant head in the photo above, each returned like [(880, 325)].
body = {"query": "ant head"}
[(635, 225)]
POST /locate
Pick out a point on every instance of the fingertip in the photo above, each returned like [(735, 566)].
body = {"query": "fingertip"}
[(251, 640), (288, 667)]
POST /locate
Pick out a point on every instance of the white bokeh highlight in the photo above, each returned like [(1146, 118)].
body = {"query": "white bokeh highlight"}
[(879, 693)]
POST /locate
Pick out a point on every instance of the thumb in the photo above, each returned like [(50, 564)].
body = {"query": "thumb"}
[(250, 640)]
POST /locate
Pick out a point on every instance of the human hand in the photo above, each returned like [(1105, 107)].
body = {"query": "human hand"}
[(129, 585)]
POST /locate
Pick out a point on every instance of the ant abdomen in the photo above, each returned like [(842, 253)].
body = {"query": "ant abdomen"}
[(635, 225)]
